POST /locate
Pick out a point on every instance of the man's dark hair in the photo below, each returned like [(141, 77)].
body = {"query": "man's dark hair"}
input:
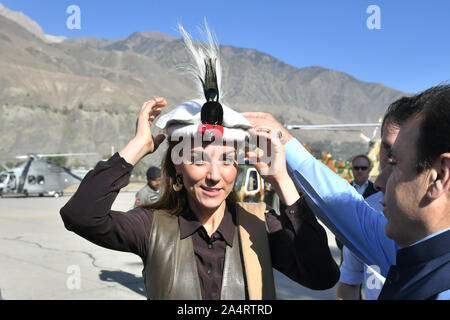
[(433, 105), (364, 157), (398, 112), (434, 138)]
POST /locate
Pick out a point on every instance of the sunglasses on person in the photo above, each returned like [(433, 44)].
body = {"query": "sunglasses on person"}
[(357, 168)]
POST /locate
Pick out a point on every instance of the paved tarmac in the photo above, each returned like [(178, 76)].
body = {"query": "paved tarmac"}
[(41, 260)]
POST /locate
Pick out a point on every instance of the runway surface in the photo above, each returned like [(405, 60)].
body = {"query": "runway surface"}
[(40, 259)]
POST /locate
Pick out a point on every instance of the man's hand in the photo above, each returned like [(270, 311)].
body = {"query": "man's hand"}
[(262, 119)]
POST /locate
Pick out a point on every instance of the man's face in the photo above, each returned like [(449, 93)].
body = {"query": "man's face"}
[(403, 188), (155, 183), (360, 169)]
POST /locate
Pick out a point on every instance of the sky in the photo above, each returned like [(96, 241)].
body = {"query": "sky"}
[(403, 44)]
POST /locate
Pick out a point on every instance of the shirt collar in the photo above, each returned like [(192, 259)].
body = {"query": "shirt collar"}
[(189, 224), (361, 189), (364, 185), (430, 236), (429, 248), (157, 191)]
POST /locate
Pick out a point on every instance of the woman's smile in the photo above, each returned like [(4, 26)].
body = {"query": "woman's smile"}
[(211, 192)]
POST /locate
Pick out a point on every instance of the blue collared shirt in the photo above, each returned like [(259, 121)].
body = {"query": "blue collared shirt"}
[(353, 271), (343, 210)]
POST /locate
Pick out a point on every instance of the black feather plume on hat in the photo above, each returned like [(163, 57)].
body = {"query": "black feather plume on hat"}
[(207, 68), (212, 111)]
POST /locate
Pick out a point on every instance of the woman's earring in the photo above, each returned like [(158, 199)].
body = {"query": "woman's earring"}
[(178, 185)]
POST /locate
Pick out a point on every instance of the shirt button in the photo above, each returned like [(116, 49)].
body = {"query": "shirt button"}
[(291, 211), (208, 271), (210, 246)]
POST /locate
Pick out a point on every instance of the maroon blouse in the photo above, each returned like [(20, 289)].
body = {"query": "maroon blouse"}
[(298, 243)]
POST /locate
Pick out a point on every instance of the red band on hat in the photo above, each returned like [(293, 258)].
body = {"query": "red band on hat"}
[(211, 130)]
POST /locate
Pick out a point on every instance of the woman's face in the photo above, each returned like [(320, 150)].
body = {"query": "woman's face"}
[(209, 177)]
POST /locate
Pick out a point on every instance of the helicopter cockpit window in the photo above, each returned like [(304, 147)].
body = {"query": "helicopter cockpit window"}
[(40, 179), (3, 178), (31, 179), (252, 181), (12, 182)]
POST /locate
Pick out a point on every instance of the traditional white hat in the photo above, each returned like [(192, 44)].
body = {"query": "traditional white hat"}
[(205, 117), (185, 121)]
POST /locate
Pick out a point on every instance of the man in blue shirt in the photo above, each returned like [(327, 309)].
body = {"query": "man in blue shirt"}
[(353, 271), (416, 184)]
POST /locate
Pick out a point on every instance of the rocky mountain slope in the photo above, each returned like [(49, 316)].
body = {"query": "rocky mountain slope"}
[(83, 95)]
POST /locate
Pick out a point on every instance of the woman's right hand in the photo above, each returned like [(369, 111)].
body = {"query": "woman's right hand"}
[(144, 143)]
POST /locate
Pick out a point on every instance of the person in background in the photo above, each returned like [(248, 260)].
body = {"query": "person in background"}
[(149, 193), (361, 166)]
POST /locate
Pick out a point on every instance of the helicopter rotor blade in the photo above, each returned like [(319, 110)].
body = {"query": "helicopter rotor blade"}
[(66, 155), (330, 126), (33, 155), (364, 137)]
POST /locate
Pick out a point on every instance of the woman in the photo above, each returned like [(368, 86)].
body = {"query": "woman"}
[(196, 242)]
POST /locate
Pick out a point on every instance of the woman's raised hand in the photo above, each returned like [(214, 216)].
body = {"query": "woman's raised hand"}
[(270, 161), (144, 142), (269, 158), (149, 111)]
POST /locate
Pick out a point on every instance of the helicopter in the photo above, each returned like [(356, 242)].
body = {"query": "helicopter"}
[(249, 185), (38, 177)]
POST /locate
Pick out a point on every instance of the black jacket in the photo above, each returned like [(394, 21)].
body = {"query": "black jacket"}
[(421, 271), (370, 190)]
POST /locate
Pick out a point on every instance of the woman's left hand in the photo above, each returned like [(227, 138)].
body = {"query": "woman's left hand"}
[(270, 161), (269, 158)]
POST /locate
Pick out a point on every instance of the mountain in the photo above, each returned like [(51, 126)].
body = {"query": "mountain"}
[(29, 24), (83, 95)]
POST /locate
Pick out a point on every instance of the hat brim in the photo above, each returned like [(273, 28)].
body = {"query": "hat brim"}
[(183, 121)]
